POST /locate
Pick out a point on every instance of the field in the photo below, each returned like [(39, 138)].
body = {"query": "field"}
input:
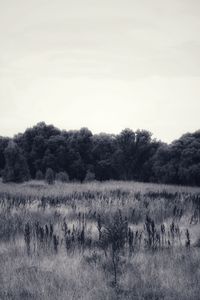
[(111, 240)]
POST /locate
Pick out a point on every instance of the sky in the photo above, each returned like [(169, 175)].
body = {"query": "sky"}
[(102, 64)]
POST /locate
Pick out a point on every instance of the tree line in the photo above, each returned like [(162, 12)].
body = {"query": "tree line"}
[(79, 155)]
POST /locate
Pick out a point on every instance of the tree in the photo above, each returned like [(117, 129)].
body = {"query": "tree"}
[(189, 163), (114, 235), (16, 168), (130, 155), (49, 176), (49, 160), (3, 145), (34, 144), (103, 147), (125, 154), (165, 165)]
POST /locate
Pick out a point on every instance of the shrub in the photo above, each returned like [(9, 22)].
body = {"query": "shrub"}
[(114, 234), (49, 176), (62, 176), (90, 176), (39, 175)]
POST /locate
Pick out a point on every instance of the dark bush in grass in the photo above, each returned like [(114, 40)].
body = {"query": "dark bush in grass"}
[(90, 176), (49, 176), (62, 176), (39, 175)]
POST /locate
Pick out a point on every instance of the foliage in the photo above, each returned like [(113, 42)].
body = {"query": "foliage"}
[(39, 175), (114, 234), (90, 176), (16, 168), (62, 176), (130, 155), (49, 176)]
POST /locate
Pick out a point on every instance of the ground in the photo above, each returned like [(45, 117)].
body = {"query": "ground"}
[(65, 241)]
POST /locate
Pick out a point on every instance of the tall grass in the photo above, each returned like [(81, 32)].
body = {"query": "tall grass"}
[(112, 240)]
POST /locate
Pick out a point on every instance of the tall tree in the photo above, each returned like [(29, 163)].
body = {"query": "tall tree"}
[(16, 168), (3, 144)]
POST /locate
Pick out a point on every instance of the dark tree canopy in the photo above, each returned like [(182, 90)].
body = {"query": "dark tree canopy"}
[(80, 155), (16, 168), (3, 145)]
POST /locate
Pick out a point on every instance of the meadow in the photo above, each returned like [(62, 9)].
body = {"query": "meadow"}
[(110, 240)]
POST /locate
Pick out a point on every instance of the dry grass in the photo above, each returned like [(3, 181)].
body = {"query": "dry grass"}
[(84, 271)]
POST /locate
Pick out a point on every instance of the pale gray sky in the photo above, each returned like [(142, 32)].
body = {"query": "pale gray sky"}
[(103, 64)]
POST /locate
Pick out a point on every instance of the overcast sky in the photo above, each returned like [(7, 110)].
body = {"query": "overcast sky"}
[(102, 64)]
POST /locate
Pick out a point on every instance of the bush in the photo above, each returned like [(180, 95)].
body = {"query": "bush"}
[(49, 176), (39, 175), (90, 176), (114, 234), (62, 176)]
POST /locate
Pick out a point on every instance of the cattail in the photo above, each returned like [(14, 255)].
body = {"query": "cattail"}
[(55, 243), (37, 229), (82, 236), (27, 237), (130, 240), (41, 234), (46, 231), (172, 231), (51, 231), (67, 242), (99, 226), (187, 243)]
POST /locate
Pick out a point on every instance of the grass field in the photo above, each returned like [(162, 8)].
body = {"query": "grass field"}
[(111, 240)]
